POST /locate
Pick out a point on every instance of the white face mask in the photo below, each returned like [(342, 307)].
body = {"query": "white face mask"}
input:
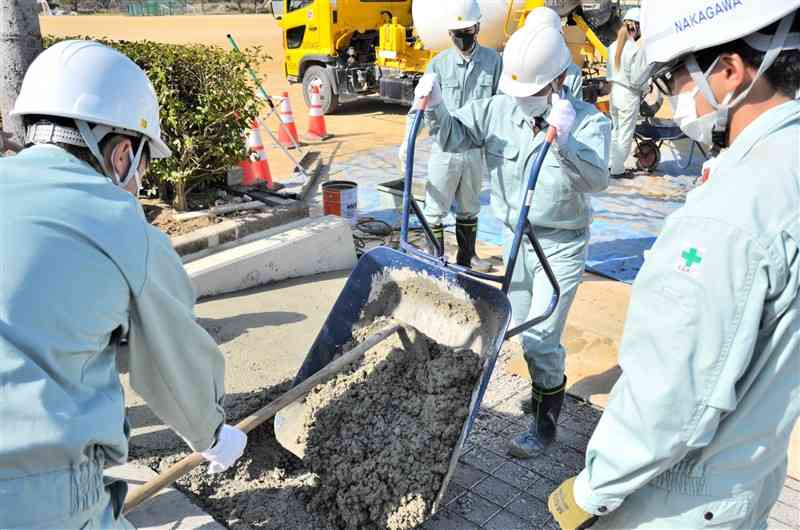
[(718, 120), (698, 128), (534, 106)]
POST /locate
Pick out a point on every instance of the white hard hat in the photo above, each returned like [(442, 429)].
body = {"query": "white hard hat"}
[(462, 14), (679, 27), (94, 84), (533, 57), (543, 16), (633, 14)]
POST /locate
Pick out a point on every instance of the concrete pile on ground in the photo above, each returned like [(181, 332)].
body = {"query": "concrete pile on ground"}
[(267, 489), (380, 436)]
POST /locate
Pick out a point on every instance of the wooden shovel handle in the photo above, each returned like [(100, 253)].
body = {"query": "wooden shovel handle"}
[(165, 479)]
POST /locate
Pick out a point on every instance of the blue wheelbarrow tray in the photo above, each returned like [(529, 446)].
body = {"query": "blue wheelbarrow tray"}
[(371, 292)]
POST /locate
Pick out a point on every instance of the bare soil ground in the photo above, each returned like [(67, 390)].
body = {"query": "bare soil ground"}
[(162, 216)]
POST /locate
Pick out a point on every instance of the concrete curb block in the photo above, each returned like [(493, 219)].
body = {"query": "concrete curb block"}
[(302, 248), (234, 229), (168, 509)]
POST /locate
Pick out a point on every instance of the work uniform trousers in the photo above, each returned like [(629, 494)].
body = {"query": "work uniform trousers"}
[(530, 294), (453, 176), (624, 115)]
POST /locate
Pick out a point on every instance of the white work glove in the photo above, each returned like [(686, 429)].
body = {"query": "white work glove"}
[(562, 117), (228, 449), (428, 86)]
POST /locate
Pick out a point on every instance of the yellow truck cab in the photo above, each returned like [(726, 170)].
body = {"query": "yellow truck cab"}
[(354, 48), (357, 48)]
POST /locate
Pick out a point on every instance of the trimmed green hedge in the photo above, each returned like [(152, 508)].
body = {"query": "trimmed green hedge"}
[(207, 102)]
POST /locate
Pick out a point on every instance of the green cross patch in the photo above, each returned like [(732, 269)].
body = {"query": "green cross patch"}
[(690, 260), (691, 257)]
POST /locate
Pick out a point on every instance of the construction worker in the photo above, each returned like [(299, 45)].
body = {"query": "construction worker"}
[(697, 428), (627, 73), (511, 129), (544, 16), (468, 72), (84, 278)]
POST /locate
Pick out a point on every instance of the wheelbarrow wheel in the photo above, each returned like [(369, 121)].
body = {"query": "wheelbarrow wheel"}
[(648, 155)]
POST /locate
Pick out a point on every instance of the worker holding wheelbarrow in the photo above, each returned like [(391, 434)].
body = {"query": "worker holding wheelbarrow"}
[(84, 277), (511, 129)]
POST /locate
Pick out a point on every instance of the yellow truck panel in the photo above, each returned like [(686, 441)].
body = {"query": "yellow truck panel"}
[(356, 48)]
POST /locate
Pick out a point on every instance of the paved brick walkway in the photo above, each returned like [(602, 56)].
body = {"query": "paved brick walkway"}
[(495, 492)]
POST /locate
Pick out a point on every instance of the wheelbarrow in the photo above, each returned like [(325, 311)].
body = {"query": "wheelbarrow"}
[(360, 288), (651, 133), (324, 360)]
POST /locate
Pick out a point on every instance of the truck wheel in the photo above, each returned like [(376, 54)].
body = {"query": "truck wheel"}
[(330, 101)]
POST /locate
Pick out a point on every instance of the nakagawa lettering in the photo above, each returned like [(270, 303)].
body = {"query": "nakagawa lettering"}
[(707, 13)]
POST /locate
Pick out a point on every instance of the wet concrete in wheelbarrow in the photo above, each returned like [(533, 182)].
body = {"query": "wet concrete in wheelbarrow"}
[(379, 436)]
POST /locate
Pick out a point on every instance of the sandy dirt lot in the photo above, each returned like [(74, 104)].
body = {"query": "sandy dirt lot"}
[(353, 126)]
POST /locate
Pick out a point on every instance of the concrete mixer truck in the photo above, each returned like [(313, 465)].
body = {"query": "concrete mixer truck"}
[(358, 48)]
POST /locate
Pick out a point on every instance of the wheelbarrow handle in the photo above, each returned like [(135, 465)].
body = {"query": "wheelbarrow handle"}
[(525, 207), (408, 200), (551, 277), (522, 229), (165, 479)]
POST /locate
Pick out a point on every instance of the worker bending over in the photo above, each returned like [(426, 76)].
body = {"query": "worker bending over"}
[(697, 428), (511, 129), (84, 277), (628, 75), (573, 81), (467, 72)]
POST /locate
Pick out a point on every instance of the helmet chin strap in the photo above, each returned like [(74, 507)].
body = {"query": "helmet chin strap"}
[(91, 140), (775, 45), (133, 169), (92, 137)]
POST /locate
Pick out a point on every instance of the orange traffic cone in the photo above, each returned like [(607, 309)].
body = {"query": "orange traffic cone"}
[(287, 134), (316, 120), (255, 167)]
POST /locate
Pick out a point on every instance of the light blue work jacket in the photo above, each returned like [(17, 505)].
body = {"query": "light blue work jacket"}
[(710, 357), (569, 173), (81, 270)]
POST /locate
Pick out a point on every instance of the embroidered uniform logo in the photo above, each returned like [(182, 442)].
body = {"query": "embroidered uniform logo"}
[(691, 260), (710, 12)]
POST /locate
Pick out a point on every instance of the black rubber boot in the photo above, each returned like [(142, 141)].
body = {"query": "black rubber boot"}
[(467, 235), (542, 432), (438, 234), (527, 405)]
